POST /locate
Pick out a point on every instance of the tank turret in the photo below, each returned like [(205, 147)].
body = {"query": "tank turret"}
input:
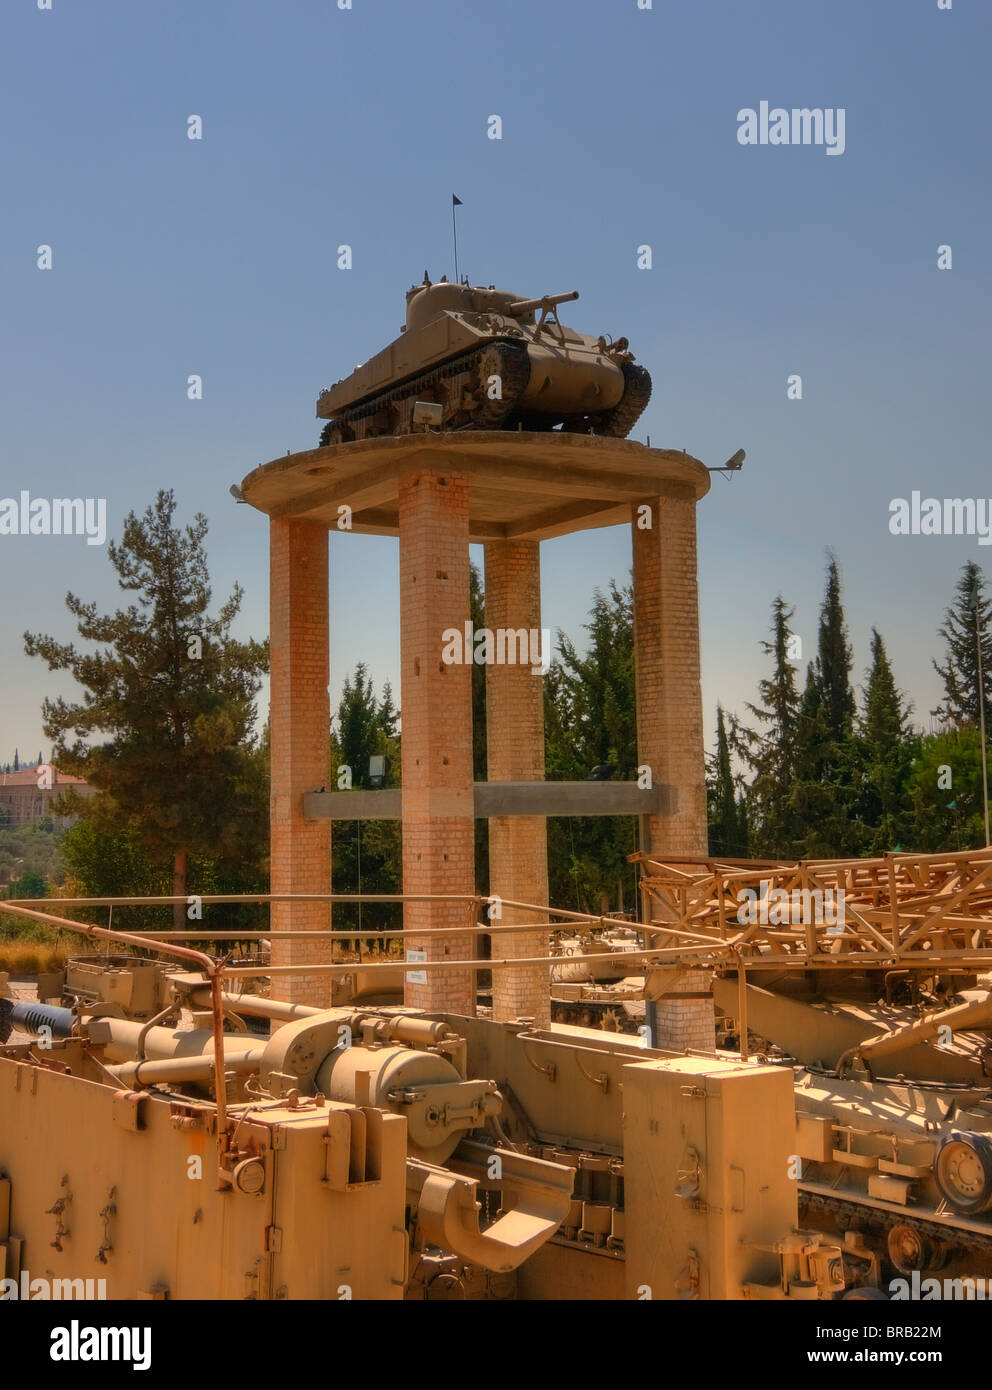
[(492, 360)]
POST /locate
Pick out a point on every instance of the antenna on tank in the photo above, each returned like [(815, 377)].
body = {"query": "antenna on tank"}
[(455, 203)]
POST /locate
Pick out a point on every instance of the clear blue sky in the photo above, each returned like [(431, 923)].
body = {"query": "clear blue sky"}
[(324, 126)]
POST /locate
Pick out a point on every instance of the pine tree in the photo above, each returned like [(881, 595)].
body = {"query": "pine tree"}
[(959, 672), (366, 853), (595, 692), (769, 750), (174, 693), (388, 713), (812, 800), (886, 748), (589, 721), (359, 726), (727, 824)]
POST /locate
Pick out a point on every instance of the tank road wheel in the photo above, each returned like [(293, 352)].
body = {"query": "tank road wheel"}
[(911, 1250), (963, 1171), (335, 432), (503, 372), (618, 422)]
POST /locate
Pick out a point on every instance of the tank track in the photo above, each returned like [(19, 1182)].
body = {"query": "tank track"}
[(513, 368), (879, 1222), (514, 373), (618, 422), (592, 1014)]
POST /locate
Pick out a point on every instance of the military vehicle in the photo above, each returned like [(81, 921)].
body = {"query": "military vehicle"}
[(375, 1152), (597, 994), (489, 363), (883, 1015)]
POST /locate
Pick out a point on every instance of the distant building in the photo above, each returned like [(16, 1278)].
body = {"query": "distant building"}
[(25, 802)]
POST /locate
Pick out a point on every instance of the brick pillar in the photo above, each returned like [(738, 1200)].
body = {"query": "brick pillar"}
[(670, 715), (299, 724), (518, 845), (436, 699)]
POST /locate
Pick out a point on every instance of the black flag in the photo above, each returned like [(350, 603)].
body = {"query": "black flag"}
[(455, 202)]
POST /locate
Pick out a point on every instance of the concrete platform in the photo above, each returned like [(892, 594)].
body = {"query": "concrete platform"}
[(522, 485)]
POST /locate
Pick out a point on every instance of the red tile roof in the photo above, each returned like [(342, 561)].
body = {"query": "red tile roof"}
[(28, 777)]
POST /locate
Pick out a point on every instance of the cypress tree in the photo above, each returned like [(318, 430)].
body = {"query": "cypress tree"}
[(770, 750), (727, 824), (812, 798), (834, 660), (887, 748), (824, 795)]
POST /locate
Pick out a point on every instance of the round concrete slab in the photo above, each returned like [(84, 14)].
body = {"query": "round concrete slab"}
[(521, 485)]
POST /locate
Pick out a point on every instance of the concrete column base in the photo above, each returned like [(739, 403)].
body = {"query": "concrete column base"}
[(299, 726)]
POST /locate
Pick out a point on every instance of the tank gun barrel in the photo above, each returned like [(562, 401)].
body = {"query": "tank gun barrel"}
[(546, 302)]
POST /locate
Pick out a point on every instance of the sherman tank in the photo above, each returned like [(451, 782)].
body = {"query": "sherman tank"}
[(491, 360), (593, 994)]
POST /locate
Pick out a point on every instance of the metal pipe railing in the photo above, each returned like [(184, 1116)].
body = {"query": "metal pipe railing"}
[(206, 963)]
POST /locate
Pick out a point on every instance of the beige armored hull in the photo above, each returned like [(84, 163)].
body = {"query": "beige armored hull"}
[(482, 359)]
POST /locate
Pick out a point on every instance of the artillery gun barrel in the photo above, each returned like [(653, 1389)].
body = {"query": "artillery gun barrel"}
[(547, 301)]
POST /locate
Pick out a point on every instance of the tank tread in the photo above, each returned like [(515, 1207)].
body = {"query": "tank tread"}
[(880, 1221), (514, 369), (514, 374), (618, 422)]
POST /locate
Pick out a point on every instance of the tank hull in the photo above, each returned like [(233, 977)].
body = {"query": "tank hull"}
[(489, 364)]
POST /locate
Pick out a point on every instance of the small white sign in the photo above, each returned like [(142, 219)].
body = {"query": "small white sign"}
[(416, 977)]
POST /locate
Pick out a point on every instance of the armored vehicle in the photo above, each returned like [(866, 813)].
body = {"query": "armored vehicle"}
[(490, 363), (887, 1034), (593, 994), (384, 1152)]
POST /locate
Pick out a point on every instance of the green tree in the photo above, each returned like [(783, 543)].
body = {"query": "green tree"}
[(110, 864), (175, 692), (824, 799), (770, 749), (388, 713), (833, 661), (886, 749), (945, 790), (590, 721), (725, 801), (366, 854), (29, 885), (970, 611), (360, 730)]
